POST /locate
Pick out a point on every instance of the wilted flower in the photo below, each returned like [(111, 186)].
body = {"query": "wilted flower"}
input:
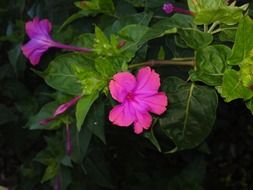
[(138, 96), (40, 40)]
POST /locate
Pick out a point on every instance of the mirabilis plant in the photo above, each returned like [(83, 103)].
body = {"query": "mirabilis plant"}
[(101, 69)]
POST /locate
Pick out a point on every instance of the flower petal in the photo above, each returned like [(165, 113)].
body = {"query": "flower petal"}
[(63, 107), (121, 84), (148, 81), (122, 115), (144, 121), (38, 27), (156, 103), (34, 50)]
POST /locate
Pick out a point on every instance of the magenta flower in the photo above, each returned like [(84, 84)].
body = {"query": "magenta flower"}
[(138, 96), (60, 110), (170, 8), (40, 40)]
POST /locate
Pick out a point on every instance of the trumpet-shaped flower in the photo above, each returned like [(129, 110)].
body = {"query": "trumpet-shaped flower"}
[(169, 8), (40, 40), (138, 96), (60, 110)]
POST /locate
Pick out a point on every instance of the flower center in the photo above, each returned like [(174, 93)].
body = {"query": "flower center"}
[(130, 96)]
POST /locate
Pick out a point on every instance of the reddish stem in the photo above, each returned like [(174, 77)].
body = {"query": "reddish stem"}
[(68, 140)]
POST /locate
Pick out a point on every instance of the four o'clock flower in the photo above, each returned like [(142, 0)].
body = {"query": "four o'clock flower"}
[(40, 40), (138, 96), (60, 110), (170, 8)]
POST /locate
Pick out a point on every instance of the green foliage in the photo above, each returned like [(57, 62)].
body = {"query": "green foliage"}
[(195, 39), (211, 64), (191, 53), (232, 87), (243, 42), (194, 109), (83, 107), (72, 74)]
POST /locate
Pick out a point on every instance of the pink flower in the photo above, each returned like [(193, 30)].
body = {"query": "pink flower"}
[(40, 40), (170, 8), (138, 96), (60, 110)]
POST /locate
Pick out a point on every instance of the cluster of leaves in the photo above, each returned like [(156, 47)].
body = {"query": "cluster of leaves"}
[(215, 43)]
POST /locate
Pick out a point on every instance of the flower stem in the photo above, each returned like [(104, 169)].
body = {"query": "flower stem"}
[(72, 48), (164, 62), (213, 27), (183, 11), (68, 140), (57, 183)]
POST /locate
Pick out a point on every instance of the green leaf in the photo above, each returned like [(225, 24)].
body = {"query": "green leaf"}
[(246, 72), (152, 138), (197, 5), (194, 38), (14, 56), (82, 108), (107, 67), (137, 3), (45, 113), (73, 17), (210, 64), (103, 46), (96, 6), (191, 113), (95, 120), (168, 26), (80, 144), (85, 40), (227, 34), (243, 42), (51, 171), (133, 36), (72, 74), (232, 87), (227, 15), (51, 156), (139, 19)]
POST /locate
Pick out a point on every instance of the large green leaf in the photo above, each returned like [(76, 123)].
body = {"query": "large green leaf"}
[(243, 42), (191, 113), (168, 26), (232, 87), (194, 38), (210, 64), (73, 74)]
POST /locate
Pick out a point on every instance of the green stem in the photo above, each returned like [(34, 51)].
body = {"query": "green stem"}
[(205, 27), (213, 27), (163, 62), (222, 29)]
